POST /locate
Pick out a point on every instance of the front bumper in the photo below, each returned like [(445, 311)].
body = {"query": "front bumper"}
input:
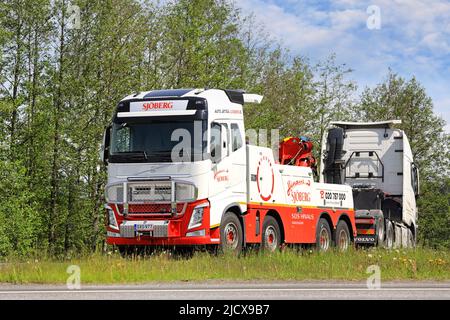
[(155, 231), (149, 241)]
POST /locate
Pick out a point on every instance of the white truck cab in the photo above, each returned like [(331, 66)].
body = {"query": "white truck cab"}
[(376, 160)]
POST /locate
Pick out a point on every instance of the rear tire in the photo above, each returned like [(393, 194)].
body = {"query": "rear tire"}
[(411, 240), (323, 236), (389, 241), (380, 232), (342, 238), (231, 235), (271, 236)]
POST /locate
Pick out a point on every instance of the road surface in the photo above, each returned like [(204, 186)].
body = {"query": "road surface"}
[(212, 290)]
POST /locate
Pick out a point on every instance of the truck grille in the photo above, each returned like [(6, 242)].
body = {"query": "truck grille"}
[(160, 191), (152, 208)]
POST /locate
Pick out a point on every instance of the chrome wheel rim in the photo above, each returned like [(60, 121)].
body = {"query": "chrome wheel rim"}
[(270, 238), (343, 240), (324, 239), (231, 236)]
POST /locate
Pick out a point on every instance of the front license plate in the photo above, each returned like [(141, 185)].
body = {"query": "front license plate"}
[(143, 227)]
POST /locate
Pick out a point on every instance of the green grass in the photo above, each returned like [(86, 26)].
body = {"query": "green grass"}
[(419, 264)]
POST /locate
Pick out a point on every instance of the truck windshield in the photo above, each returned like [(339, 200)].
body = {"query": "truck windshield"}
[(157, 141)]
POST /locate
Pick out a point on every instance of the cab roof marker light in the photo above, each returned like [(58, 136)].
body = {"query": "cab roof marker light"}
[(194, 91), (252, 98)]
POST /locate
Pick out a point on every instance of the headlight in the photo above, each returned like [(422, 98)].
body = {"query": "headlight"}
[(114, 193), (197, 216), (185, 192), (112, 218)]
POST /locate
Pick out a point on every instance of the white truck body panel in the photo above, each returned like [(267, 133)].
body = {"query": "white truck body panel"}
[(272, 183)]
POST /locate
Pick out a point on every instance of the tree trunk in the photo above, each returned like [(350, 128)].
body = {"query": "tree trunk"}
[(56, 139)]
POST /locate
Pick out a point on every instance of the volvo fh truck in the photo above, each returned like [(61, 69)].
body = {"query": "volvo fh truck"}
[(376, 161)]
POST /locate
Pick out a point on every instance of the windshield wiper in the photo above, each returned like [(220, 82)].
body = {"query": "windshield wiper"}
[(132, 154)]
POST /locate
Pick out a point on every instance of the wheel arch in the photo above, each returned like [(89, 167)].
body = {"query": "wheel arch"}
[(327, 217), (236, 210)]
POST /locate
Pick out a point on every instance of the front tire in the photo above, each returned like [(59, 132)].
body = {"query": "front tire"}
[(323, 236), (271, 237), (342, 239), (231, 234), (123, 251)]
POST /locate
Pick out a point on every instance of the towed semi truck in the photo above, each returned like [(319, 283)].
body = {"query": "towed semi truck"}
[(376, 160), (180, 173)]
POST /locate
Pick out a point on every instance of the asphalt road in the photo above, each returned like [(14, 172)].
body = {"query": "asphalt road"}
[(233, 291)]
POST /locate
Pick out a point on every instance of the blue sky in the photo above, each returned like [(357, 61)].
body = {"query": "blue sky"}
[(413, 38)]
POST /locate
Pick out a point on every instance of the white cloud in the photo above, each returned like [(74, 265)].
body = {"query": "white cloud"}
[(414, 38), (347, 19)]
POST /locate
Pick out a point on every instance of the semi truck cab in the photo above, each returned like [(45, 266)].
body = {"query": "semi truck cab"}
[(376, 160)]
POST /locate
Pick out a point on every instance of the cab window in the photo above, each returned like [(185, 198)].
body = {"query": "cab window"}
[(236, 138)]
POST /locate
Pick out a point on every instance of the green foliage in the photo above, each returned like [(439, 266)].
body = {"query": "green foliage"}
[(59, 86), (434, 214), (19, 221), (289, 265), (397, 98)]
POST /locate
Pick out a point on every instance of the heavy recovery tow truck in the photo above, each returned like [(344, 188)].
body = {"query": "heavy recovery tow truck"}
[(180, 173)]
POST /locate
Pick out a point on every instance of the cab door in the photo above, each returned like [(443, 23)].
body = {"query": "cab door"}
[(237, 158), (220, 157)]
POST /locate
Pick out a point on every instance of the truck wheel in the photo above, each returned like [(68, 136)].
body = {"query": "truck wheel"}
[(411, 240), (342, 239), (123, 250), (271, 237), (389, 241), (231, 235), (380, 232), (323, 235)]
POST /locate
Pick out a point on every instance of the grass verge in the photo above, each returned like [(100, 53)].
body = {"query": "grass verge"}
[(419, 264)]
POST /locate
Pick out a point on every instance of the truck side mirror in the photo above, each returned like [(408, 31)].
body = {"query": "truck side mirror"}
[(104, 152)]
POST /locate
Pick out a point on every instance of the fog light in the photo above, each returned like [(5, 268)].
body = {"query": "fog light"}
[(198, 233)]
